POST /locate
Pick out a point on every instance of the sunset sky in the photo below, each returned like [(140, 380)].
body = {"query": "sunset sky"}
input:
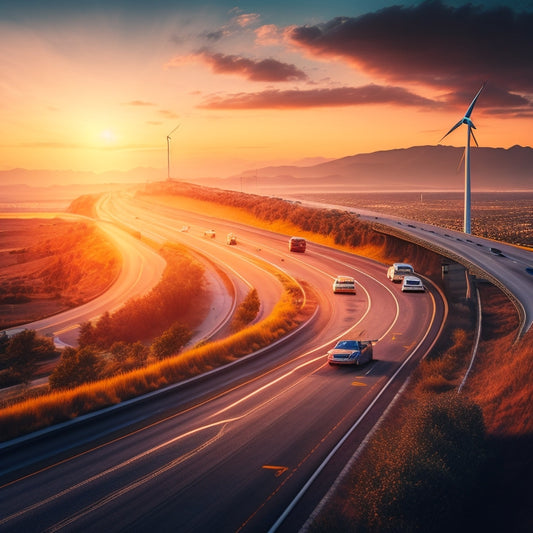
[(98, 85)]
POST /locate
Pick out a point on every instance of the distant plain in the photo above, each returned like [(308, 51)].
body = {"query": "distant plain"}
[(502, 216)]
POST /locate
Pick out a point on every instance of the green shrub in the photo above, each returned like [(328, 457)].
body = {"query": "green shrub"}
[(20, 354), (247, 311), (419, 475), (76, 367), (171, 341), (146, 317)]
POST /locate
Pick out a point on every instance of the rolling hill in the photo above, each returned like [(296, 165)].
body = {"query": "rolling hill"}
[(417, 168)]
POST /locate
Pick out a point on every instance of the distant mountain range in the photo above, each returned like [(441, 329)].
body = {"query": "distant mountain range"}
[(45, 178), (417, 168)]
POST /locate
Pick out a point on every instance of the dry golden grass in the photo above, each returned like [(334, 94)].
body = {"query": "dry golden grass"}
[(440, 374), (500, 386), (40, 412), (501, 381), (54, 264), (443, 372), (373, 251), (506, 217), (378, 490)]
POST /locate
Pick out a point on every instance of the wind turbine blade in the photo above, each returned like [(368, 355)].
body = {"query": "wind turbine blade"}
[(474, 137), (173, 130), (455, 127), (461, 160), (471, 106)]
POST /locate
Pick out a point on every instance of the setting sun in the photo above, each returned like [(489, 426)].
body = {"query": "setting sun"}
[(108, 136), (251, 89)]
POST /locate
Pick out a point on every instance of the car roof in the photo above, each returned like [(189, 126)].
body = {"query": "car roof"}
[(396, 265), (344, 278), (411, 278), (349, 342)]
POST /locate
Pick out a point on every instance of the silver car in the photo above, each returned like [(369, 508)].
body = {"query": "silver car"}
[(349, 352)]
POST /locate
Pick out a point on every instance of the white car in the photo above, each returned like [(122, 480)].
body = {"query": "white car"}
[(412, 284), (397, 271), (344, 284)]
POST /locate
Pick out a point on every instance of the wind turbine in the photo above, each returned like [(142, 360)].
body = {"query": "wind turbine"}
[(470, 125), (168, 150)]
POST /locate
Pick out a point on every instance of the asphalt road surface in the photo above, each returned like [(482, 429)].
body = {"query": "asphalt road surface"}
[(251, 447), (141, 270), (506, 265)]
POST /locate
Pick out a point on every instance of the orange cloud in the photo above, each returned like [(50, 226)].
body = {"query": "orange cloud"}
[(268, 35), (247, 19), (139, 103), (336, 97), (270, 70)]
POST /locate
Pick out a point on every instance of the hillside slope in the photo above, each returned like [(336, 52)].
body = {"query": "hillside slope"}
[(416, 168)]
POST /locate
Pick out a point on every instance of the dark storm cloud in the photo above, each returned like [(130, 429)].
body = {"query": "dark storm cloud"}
[(270, 70), (337, 97), (441, 46)]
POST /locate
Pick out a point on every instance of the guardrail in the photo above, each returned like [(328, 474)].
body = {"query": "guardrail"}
[(472, 268)]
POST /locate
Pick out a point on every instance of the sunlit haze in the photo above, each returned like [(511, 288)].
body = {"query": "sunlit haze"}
[(98, 86)]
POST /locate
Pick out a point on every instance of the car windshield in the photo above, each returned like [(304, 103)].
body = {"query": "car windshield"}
[(412, 282), (348, 345)]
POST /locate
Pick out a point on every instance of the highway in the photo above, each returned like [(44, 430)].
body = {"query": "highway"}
[(505, 265), (141, 270), (250, 447)]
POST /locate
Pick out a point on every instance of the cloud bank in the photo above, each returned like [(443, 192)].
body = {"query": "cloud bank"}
[(450, 50), (434, 45), (336, 97)]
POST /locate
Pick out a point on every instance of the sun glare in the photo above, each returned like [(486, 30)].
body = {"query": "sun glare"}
[(108, 136)]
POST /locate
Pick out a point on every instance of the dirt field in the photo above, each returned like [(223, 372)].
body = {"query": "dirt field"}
[(48, 265), (503, 216)]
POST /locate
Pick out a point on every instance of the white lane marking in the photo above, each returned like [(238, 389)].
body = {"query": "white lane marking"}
[(126, 463)]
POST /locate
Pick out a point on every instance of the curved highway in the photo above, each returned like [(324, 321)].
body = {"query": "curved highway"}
[(507, 266), (250, 447), (141, 271)]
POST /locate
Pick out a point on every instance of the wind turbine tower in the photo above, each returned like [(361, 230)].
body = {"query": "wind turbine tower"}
[(470, 126), (168, 150)]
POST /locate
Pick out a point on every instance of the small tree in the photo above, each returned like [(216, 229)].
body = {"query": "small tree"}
[(87, 335), (171, 341), (22, 352), (138, 353), (75, 368), (104, 330), (247, 311), (127, 356)]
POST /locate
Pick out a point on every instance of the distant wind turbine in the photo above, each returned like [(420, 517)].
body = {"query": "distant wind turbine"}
[(168, 150), (470, 125)]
